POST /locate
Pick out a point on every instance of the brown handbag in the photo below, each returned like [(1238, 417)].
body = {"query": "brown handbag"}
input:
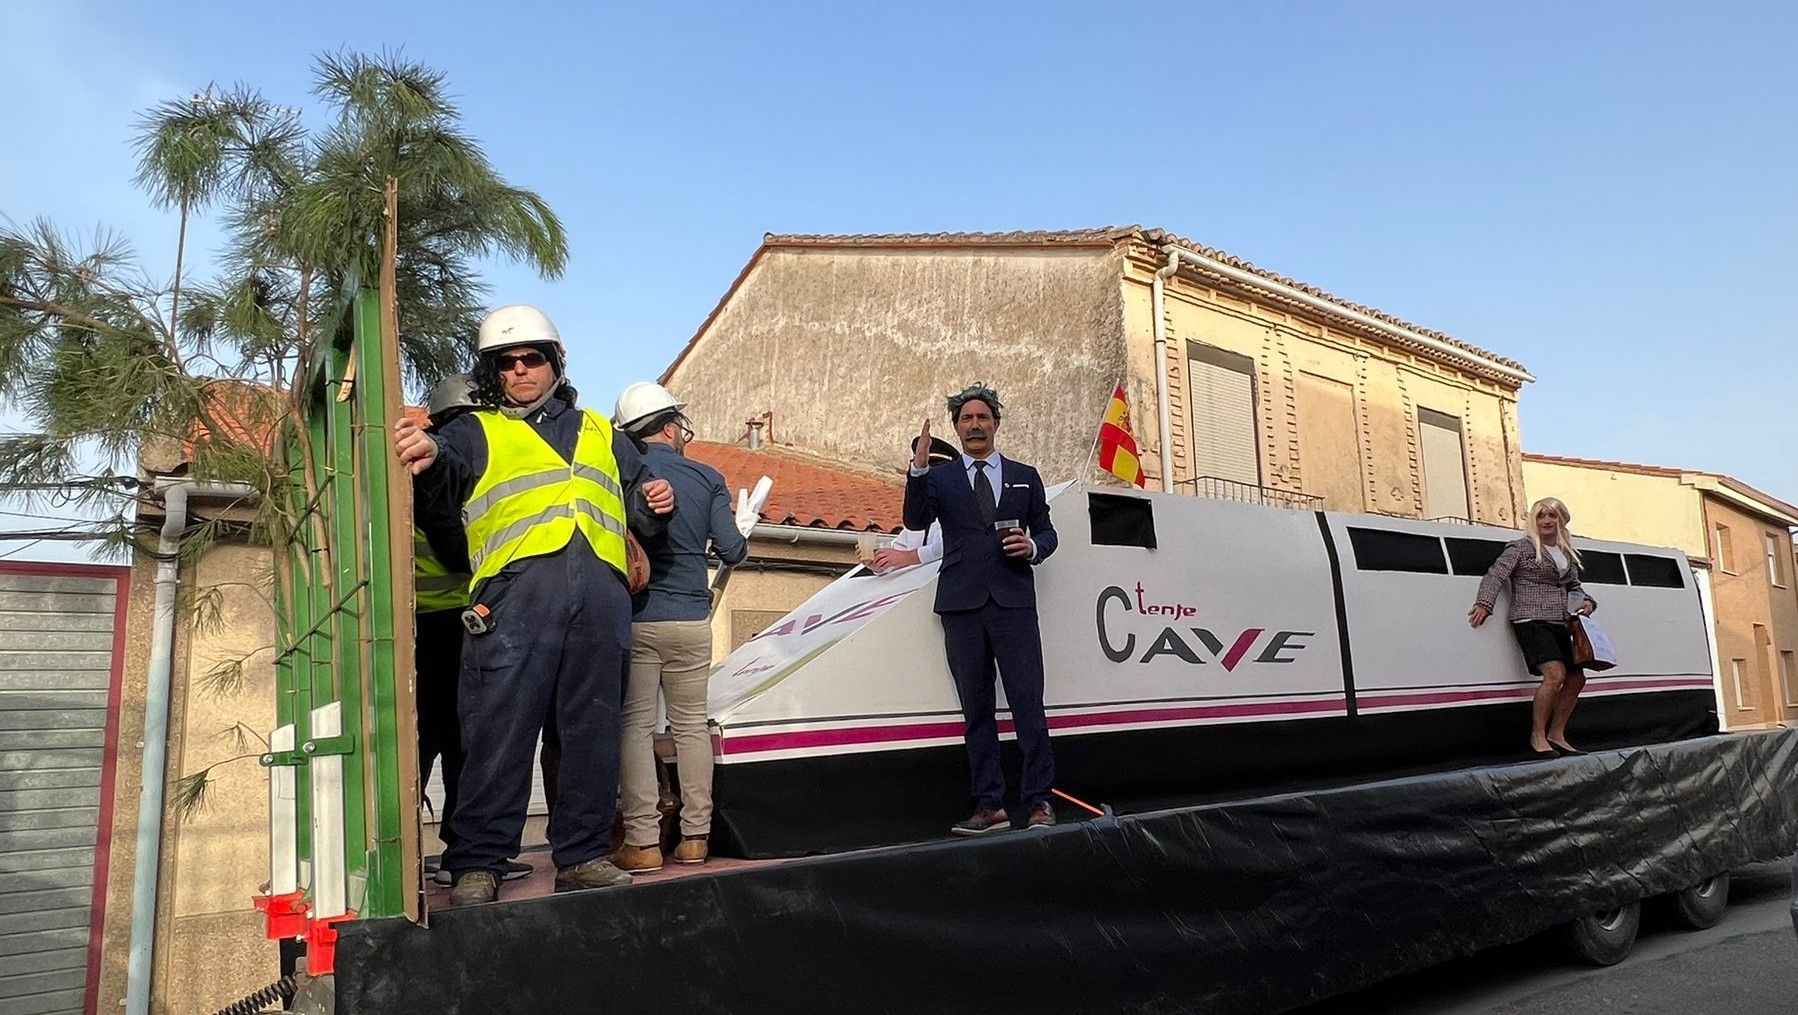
[(636, 563), (1583, 656)]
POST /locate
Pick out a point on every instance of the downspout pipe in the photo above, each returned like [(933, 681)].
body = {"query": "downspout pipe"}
[(148, 872), (1163, 416), (807, 534)]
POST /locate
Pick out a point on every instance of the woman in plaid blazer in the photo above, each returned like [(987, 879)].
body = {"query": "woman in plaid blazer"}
[(1541, 571)]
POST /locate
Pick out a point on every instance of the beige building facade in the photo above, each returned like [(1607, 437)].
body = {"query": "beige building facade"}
[(1241, 383), (1742, 534)]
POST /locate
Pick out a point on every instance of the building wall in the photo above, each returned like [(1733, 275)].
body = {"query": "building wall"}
[(1756, 619), (851, 348), (1626, 506), (1312, 381), (209, 943)]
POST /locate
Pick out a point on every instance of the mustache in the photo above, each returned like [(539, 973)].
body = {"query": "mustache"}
[(976, 432)]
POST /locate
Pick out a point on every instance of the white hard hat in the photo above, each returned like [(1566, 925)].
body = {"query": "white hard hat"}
[(517, 325), (641, 402), (453, 392)]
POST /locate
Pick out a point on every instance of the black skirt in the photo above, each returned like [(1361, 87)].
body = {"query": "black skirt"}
[(1544, 641)]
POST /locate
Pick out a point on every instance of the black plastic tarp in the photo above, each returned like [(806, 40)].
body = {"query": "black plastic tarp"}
[(1255, 905)]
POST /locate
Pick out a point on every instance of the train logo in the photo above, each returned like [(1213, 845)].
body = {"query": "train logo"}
[(1195, 645)]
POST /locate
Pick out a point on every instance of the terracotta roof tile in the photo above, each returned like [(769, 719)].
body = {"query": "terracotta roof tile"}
[(810, 490)]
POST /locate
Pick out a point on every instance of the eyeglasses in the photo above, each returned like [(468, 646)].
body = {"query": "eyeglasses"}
[(686, 435), (532, 359)]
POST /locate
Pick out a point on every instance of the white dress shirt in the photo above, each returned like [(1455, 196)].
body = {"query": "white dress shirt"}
[(995, 473), (929, 544)]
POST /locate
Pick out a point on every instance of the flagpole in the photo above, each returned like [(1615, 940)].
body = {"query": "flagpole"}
[(1093, 455)]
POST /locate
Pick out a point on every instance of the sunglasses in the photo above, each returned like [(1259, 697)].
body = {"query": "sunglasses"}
[(532, 359)]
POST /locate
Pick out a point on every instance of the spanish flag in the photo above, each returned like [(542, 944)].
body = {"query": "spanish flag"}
[(1117, 446)]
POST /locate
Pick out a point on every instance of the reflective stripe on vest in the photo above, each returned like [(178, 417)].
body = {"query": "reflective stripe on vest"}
[(435, 586), (530, 502)]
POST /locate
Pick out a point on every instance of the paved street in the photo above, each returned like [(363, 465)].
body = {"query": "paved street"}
[(1746, 965)]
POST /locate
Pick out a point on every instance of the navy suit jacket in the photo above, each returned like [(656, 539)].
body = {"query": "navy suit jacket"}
[(974, 567)]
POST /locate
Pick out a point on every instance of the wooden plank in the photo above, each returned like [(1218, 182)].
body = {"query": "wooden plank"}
[(43, 941), (46, 740), (42, 962), (41, 799), (62, 1002), (43, 982), (62, 778), (21, 819), (57, 583), (46, 838), (55, 620), (58, 602), (50, 759), (60, 699), (57, 641), (37, 897), (54, 680), (47, 919), (29, 719)]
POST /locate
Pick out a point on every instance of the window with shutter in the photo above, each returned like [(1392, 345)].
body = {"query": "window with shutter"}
[(1222, 389), (1444, 465)]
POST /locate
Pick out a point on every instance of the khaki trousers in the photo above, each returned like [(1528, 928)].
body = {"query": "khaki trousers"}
[(673, 657)]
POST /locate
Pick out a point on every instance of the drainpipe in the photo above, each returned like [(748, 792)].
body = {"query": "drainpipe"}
[(156, 734), (1163, 417), (807, 534)]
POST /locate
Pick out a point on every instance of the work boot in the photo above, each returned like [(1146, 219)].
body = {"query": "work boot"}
[(595, 873), (638, 859), (474, 887), (693, 849)]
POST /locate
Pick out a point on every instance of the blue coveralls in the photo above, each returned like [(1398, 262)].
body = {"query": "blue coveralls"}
[(560, 648)]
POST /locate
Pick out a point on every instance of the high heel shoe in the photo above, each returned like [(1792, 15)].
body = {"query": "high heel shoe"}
[(1565, 750)]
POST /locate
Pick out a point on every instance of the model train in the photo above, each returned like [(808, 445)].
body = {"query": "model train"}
[(1195, 649)]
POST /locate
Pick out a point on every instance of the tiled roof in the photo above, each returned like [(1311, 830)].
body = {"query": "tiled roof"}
[(1104, 236), (809, 490), (245, 410)]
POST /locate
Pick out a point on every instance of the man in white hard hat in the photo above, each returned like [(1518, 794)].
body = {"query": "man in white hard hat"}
[(671, 631), (546, 492)]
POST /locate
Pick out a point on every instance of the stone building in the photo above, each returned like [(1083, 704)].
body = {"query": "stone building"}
[(1242, 383)]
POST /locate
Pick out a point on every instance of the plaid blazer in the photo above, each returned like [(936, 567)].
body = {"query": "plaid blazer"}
[(1538, 591)]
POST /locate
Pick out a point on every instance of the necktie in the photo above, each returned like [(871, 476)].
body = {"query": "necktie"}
[(983, 494)]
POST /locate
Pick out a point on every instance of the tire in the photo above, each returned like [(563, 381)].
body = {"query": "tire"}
[(1701, 905), (1605, 939)]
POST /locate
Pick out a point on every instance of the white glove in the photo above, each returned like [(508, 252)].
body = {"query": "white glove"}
[(749, 505)]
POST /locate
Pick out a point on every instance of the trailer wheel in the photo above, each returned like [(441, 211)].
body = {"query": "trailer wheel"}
[(1702, 905), (1604, 939)]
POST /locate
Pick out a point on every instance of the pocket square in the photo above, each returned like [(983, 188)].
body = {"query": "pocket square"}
[(1017, 486)]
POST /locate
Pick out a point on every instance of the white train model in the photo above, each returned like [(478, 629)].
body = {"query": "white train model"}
[(1194, 648)]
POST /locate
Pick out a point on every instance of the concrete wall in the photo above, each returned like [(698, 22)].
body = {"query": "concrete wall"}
[(851, 348), (209, 943), (1756, 620), (1305, 370), (1626, 506)]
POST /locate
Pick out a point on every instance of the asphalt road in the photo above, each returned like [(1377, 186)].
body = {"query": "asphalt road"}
[(1746, 965)]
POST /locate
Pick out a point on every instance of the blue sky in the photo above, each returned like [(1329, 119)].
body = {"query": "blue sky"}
[(1604, 191)]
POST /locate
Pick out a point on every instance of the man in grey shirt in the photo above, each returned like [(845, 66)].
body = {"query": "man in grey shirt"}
[(671, 633)]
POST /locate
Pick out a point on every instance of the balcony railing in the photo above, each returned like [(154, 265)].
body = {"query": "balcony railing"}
[(1218, 488)]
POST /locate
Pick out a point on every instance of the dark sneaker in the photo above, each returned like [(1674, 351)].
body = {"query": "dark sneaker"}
[(983, 821), (1042, 815), (595, 873), (514, 871), (474, 887)]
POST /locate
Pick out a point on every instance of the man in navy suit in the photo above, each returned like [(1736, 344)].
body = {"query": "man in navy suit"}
[(986, 597)]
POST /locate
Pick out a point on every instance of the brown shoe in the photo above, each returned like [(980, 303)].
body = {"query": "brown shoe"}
[(693, 849), (473, 888), (1042, 815), (983, 821), (638, 859), (595, 873)]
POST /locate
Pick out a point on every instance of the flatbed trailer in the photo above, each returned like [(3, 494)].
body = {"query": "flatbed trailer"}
[(1260, 904), (1266, 897)]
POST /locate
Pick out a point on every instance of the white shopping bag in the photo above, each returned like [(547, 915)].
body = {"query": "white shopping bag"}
[(1604, 654)]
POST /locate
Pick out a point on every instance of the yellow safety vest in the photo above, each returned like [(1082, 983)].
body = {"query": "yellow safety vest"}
[(530, 502), (436, 587)]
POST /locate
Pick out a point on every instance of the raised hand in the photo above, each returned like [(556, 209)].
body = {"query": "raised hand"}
[(920, 457)]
